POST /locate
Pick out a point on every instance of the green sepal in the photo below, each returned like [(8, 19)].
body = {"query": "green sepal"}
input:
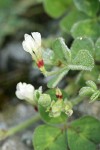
[(44, 100)]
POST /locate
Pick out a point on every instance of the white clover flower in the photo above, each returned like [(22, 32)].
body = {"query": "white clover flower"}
[(26, 92), (32, 43)]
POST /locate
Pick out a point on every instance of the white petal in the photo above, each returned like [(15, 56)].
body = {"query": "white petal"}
[(19, 85), (37, 38), (18, 94), (40, 89), (30, 41), (31, 87), (26, 47), (25, 91), (26, 35)]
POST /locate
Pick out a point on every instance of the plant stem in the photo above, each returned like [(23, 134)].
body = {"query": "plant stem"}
[(77, 100), (56, 72), (22, 126)]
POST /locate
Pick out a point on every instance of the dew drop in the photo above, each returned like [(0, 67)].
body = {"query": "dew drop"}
[(80, 38)]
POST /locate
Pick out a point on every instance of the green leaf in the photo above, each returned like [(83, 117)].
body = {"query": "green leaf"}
[(22, 6), (56, 8), (48, 57), (93, 75), (10, 25), (72, 17), (84, 134), (6, 4), (99, 78), (61, 50), (57, 78), (90, 7), (82, 61), (84, 91), (82, 43), (91, 84), (89, 28), (95, 96), (97, 50), (49, 138), (45, 115)]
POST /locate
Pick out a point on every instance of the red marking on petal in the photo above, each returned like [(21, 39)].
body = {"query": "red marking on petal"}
[(59, 96), (36, 108), (40, 63)]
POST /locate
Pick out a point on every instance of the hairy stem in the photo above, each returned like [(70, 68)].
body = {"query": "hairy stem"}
[(56, 72), (20, 127), (77, 100)]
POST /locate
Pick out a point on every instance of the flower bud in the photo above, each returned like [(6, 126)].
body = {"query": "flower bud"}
[(25, 91), (59, 93), (37, 94), (44, 100), (68, 108), (55, 109), (32, 43)]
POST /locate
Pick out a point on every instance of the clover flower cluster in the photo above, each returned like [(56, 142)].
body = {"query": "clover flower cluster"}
[(32, 44), (36, 97), (60, 105)]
